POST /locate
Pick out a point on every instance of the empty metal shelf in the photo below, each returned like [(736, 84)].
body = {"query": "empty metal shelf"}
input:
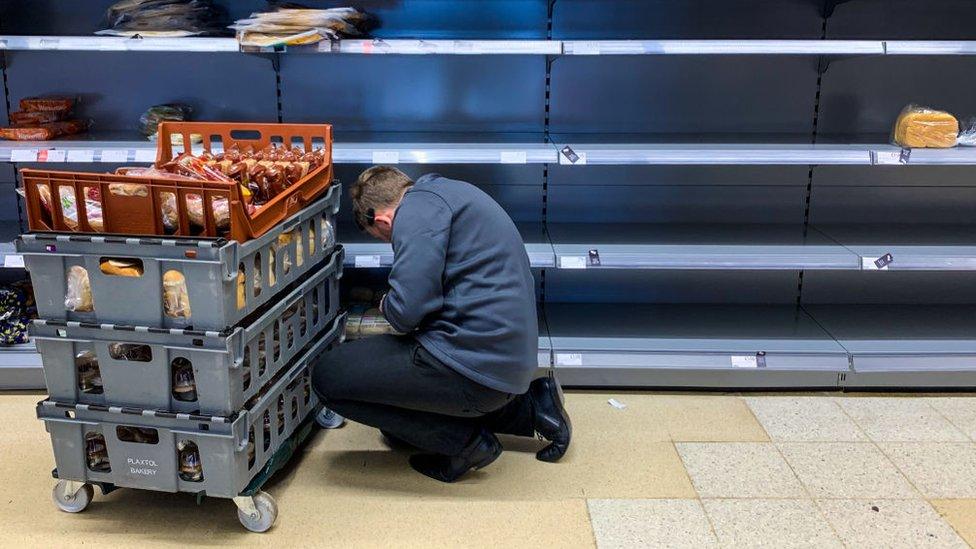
[(692, 346), (20, 367), (681, 246), (904, 345), (363, 251), (899, 247)]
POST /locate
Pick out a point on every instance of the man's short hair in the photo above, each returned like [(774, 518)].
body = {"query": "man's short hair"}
[(377, 188)]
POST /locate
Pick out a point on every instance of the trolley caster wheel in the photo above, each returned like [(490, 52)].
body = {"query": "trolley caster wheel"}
[(257, 513), (327, 419), (72, 496)]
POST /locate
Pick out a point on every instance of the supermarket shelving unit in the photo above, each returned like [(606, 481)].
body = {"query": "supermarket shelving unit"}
[(706, 190)]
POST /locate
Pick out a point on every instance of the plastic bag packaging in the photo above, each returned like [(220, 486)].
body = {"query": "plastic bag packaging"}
[(97, 452), (967, 135), (149, 121), (171, 215), (922, 127), (286, 25), (44, 132), (164, 18), (184, 385), (328, 234), (176, 301), (24, 118), (89, 374), (191, 469), (41, 104), (121, 267), (14, 316), (242, 286), (78, 297)]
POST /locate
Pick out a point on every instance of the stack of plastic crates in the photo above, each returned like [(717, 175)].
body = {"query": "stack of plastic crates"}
[(206, 390)]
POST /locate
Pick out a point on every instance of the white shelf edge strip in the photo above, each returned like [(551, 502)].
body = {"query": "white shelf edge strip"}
[(723, 47), (451, 47), (117, 43), (521, 153), (930, 47), (514, 47)]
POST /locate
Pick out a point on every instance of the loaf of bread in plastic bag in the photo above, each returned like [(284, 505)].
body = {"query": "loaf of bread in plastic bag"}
[(921, 127)]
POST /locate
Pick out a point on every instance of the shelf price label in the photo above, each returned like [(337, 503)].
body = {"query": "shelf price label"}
[(878, 264), (13, 261), (569, 359), (367, 261), (892, 158), (513, 157), (23, 155), (52, 155), (573, 158), (115, 155), (586, 47), (81, 155), (745, 361), (572, 262), (145, 155), (386, 157)]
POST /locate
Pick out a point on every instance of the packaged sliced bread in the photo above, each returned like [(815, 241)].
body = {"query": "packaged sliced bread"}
[(922, 127)]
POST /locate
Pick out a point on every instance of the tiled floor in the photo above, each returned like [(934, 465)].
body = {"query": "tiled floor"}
[(668, 470)]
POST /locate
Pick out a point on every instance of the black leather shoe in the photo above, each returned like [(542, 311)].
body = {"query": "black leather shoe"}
[(479, 453), (551, 419)]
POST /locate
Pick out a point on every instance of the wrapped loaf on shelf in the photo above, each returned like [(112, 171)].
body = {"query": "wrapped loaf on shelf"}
[(921, 127)]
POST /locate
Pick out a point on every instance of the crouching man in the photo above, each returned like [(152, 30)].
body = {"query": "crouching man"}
[(462, 292)]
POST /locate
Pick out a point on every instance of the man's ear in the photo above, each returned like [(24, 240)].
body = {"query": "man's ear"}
[(383, 221)]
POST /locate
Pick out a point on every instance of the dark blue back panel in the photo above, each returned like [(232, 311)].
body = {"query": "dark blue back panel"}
[(514, 19), (903, 20), (641, 286), (518, 188), (116, 87), (416, 93), (651, 19), (865, 95), (683, 94)]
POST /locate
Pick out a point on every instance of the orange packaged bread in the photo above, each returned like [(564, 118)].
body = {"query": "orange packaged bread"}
[(34, 104), (24, 118), (921, 127), (44, 132)]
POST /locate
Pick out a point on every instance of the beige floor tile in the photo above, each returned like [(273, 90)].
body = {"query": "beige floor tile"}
[(779, 523), (892, 419), (650, 523), (593, 416), (739, 470), (804, 419), (316, 519), (961, 411), (846, 470), (709, 418), (889, 523), (937, 469), (611, 467), (961, 515)]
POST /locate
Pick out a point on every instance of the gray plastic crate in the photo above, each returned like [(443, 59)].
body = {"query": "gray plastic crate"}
[(210, 268), (136, 364), (222, 441)]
